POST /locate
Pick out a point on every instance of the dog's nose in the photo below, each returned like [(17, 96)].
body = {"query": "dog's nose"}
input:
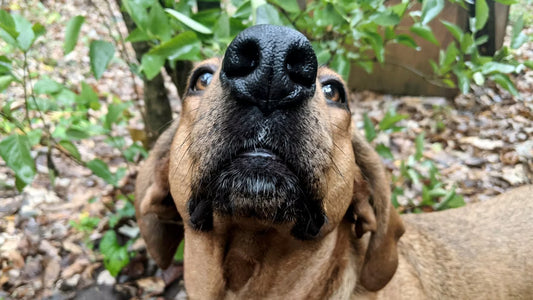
[(271, 67)]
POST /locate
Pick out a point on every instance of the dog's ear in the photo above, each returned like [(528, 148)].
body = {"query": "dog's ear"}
[(159, 221), (373, 212)]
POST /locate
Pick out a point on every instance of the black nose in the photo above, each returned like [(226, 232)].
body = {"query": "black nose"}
[(270, 66)]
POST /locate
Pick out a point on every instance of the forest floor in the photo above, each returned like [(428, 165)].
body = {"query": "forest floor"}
[(481, 143)]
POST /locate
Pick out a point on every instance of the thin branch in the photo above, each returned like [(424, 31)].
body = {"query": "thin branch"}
[(121, 45)]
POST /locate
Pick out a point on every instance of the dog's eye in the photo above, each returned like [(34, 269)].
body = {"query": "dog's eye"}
[(332, 93), (202, 81)]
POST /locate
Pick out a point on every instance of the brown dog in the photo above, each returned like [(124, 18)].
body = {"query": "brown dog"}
[(278, 196)]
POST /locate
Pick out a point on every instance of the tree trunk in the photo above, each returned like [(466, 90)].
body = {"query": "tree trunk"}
[(157, 105)]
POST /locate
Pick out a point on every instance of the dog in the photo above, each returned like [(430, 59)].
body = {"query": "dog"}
[(278, 196)]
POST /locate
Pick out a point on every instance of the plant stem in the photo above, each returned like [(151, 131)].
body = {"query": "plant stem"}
[(26, 101)]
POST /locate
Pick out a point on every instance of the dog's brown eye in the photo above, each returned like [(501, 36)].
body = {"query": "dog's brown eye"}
[(332, 93), (203, 81)]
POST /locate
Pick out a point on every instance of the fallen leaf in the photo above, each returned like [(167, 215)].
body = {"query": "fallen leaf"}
[(483, 144)]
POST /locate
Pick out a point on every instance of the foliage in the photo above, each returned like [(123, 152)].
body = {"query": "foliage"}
[(416, 170), (59, 117), (342, 32)]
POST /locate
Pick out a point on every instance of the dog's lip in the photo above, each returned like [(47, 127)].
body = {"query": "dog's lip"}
[(259, 153)]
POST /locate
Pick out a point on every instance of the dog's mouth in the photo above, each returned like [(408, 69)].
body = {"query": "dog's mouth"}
[(259, 153), (257, 183)]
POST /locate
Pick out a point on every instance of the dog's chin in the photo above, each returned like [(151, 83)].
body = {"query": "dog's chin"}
[(257, 185)]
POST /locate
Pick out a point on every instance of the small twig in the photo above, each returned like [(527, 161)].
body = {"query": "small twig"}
[(14, 121), (26, 101), (285, 13), (121, 45)]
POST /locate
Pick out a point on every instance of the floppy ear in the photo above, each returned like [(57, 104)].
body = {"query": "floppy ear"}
[(159, 221), (373, 212)]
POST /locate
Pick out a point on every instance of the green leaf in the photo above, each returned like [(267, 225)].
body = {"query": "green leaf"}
[(100, 53), (72, 32), (178, 256), (451, 200), (419, 142), (492, 67), (479, 79), (448, 58), (390, 119), (341, 65), (376, 41), (101, 170), (113, 114), (138, 35), (26, 36), (401, 8), (368, 65), (77, 134), (5, 65), (406, 40), (38, 30), (158, 22), (71, 148), (430, 9), (290, 6), (222, 28), (462, 80), (116, 257), (34, 136), (267, 14), (151, 65), (506, 83), (138, 11), (7, 23), (243, 11), (132, 151), (184, 46), (508, 2), (328, 15), (88, 97), (467, 44), (5, 81), (482, 14), (189, 22), (15, 150), (384, 151), (370, 132), (424, 32), (47, 86), (518, 37), (387, 18), (455, 30)]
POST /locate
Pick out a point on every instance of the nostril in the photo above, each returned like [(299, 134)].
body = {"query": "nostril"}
[(241, 58), (300, 65)]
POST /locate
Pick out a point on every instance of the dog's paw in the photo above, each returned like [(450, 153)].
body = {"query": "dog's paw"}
[(201, 213)]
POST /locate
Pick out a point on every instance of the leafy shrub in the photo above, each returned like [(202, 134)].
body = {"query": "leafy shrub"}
[(415, 171), (341, 32)]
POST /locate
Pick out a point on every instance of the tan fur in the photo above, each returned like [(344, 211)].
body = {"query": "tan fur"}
[(480, 251)]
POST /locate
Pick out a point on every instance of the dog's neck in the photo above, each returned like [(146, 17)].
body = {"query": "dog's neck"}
[(243, 263)]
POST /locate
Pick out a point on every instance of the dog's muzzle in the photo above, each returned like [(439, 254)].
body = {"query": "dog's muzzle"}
[(270, 67), (261, 167)]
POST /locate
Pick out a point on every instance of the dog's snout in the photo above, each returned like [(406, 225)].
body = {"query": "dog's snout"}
[(271, 67)]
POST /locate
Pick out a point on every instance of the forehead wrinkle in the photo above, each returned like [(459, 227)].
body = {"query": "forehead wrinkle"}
[(215, 61)]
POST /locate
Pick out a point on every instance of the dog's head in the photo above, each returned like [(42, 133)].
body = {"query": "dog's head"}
[(266, 136)]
